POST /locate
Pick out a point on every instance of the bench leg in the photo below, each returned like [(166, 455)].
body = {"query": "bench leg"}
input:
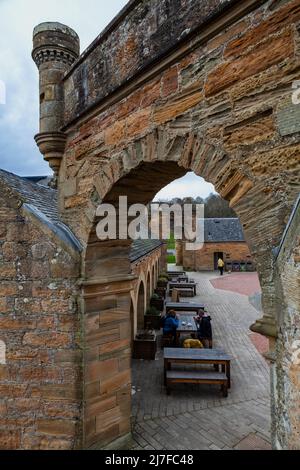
[(224, 390), (228, 375)]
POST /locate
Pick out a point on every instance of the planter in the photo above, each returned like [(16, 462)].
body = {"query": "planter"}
[(161, 291), (159, 304), (152, 321), (145, 348), (162, 283)]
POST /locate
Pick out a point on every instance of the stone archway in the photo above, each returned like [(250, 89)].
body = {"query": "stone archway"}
[(218, 103), (112, 259), (141, 299), (153, 280), (132, 322), (148, 288)]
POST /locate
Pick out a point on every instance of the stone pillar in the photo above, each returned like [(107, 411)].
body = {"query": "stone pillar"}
[(55, 48), (106, 335)]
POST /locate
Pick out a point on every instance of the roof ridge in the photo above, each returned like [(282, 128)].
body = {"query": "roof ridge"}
[(23, 179)]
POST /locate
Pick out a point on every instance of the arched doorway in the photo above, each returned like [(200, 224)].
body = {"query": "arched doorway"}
[(153, 280), (148, 288), (132, 321), (141, 306), (117, 266)]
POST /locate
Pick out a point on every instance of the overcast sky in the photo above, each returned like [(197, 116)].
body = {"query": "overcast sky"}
[(19, 117)]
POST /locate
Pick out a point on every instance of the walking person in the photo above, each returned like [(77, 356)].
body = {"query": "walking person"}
[(221, 265)]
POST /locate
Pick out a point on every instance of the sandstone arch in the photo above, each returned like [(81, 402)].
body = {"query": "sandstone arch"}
[(153, 278), (217, 102), (141, 300), (148, 288)]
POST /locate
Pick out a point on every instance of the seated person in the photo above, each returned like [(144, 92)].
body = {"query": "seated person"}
[(170, 324), (192, 342), (204, 329)]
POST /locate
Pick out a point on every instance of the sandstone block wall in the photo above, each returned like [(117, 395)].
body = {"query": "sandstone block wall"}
[(141, 34), (40, 382), (146, 268), (286, 382)]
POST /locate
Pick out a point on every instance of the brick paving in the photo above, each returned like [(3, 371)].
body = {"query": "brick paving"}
[(241, 283), (197, 416)]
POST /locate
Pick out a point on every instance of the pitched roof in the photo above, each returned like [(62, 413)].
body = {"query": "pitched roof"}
[(140, 248), (44, 199), (223, 230), (40, 196)]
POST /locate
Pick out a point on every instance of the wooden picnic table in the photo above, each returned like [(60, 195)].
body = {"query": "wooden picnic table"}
[(176, 273), (216, 357), (181, 279), (183, 285), (185, 307), (187, 323)]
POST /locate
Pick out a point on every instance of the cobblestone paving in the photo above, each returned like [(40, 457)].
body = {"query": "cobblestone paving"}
[(198, 417)]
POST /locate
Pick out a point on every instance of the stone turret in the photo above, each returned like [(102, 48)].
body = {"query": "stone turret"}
[(55, 48)]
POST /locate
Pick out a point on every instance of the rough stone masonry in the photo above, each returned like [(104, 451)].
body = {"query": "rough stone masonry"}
[(170, 87)]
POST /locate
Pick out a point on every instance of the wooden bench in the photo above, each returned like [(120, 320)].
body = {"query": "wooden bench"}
[(197, 377), (186, 292), (183, 291)]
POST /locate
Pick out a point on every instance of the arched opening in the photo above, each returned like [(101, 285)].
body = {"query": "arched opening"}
[(148, 288), (153, 280), (141, 306), (111, 258), (132, 322)]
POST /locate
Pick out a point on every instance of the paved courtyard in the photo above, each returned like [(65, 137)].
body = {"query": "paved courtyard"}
[(198, 417)]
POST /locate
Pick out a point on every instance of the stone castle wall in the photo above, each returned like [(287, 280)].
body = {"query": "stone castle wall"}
[(40, 383), (286, 373), (219, 103)]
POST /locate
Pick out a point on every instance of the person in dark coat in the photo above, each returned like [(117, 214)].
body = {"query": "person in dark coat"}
[(204, 329), (170, 325)]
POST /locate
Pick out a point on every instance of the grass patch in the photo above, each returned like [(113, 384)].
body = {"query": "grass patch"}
[(171, 259), (171, 242)]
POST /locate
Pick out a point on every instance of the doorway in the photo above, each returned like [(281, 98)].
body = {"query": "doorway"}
[(217, 255)]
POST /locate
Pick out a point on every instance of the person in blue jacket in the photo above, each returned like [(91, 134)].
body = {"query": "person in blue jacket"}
[(170, 324)]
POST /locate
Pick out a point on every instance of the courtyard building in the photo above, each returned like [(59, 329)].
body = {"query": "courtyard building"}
[(223, 239)]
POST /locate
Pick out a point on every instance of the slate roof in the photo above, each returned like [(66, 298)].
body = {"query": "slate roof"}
[(44, 199), (140, 248), (44, 180), (40, 196), (223, 230)]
